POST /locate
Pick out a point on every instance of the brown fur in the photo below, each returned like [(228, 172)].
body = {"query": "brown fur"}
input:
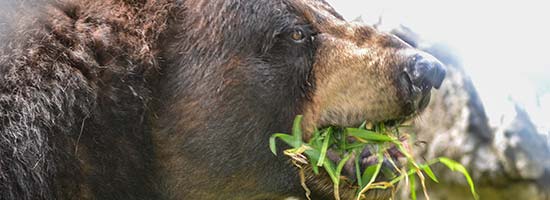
[(72, 76)]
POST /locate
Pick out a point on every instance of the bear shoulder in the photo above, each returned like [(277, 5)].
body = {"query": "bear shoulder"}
[(72, 77)]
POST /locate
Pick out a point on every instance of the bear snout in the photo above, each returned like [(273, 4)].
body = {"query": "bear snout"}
[(424, 72), (421, 72)]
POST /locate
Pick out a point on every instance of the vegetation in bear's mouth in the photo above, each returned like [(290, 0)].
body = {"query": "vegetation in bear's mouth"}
[(351, 141)]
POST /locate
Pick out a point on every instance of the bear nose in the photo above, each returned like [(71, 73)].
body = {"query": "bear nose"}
[(425, 71)]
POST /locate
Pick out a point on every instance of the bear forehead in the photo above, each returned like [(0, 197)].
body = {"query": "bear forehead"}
[(251, 26), (273, 13)]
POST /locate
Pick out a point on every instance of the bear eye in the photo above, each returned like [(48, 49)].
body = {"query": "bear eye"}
[(297, 35)]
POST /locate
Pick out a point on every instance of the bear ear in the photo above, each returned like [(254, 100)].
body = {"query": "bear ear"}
[(360, 20), (376, 25)]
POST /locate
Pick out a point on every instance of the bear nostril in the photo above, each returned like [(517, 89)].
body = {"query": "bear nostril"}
[(425, 71), (439, 75)]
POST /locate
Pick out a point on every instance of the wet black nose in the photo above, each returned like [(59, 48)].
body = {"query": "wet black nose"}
[(425, 71)]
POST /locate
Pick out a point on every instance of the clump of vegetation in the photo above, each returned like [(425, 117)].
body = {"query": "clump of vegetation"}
[(347, 142)]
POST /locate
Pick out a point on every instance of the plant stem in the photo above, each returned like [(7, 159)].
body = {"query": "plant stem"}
[(336, 191)]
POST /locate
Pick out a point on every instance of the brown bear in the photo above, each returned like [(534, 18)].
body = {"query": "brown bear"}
[(176, 99)]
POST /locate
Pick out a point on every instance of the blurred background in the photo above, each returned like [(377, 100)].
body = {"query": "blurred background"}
[(493, 111)]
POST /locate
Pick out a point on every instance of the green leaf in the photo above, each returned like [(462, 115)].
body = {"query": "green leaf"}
[(412, 184), (324, 148), (455, 166), (341, 165), (368, 135), (297, 131), (284, 137), (382, 137), (315, 169), (313, 156), (331, 170), (316, 141), (411, 172), (341, 137), (368, 173), (358, 169), (372, 171), (357, 145), (429, 172), (314, 138)]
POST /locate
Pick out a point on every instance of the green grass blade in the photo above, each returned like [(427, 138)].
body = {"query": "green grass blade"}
[(455, 166), (331, 170), (412, 184), (284, 137), (313, 161), (316, 141), (429, 172), (410, 172), (317, 146), (370, 174), (368, 135), (373, 170), (324, 148), (315, 169), (341, 164), (357, 145), (358, 169), (313, 157), (297, 131), (341, 137)]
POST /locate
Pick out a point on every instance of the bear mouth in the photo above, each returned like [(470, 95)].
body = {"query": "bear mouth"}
[(389, 123), (392, 163), (354, 122), (348, 115)]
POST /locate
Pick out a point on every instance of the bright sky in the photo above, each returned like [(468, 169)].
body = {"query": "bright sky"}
[(504, 44)]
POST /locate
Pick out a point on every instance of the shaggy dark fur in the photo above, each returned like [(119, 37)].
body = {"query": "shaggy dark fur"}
[(73, 91)]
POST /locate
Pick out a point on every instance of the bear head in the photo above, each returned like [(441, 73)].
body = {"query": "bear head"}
[(234, 72)]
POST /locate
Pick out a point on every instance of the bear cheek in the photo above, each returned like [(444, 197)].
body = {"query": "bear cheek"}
[(353, 84)]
